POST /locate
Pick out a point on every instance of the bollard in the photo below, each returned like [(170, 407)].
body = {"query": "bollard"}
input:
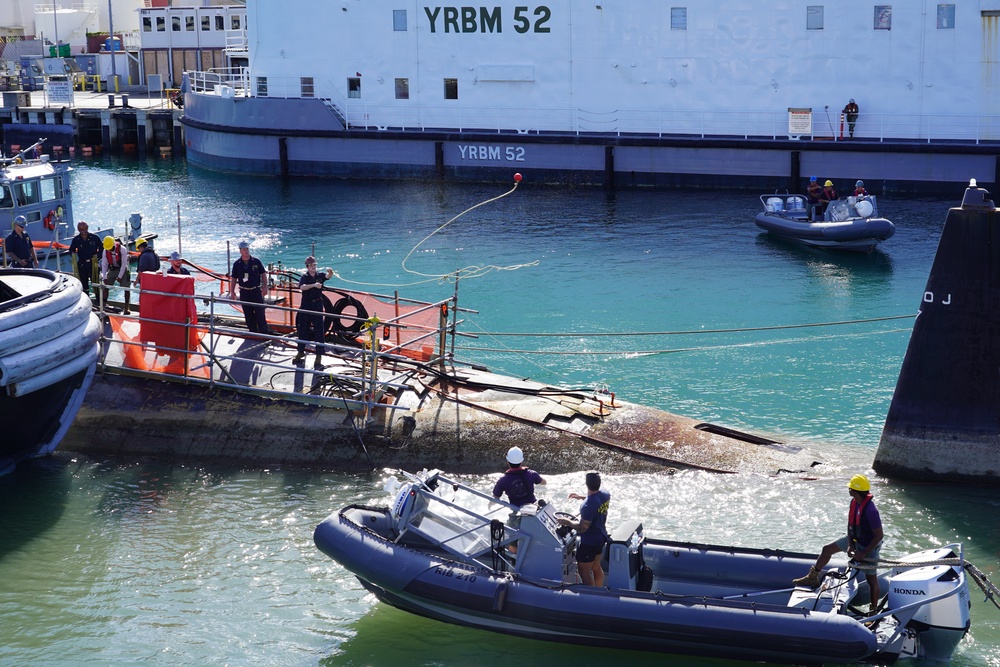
[(125, 101), (111, 101)]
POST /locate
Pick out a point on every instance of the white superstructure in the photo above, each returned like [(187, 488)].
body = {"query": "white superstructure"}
[(918, 68)]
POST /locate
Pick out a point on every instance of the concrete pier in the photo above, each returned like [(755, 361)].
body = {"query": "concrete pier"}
[(122, 122)]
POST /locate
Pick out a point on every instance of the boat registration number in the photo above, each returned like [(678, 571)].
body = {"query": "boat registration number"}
[(451, 572), (484, 152)]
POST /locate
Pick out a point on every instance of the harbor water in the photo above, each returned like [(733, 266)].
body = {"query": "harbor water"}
[(672, 299)]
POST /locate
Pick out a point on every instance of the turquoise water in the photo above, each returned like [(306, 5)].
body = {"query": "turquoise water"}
[(113, 562)]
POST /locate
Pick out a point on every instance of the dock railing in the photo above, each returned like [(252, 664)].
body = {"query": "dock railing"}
[(203, 350)]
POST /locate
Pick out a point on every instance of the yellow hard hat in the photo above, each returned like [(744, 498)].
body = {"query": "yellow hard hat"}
[(109, 243), (828, 184), (859, 483), (140, 242)]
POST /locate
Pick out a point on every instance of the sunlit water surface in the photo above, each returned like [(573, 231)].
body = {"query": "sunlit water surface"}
[(116, 562)]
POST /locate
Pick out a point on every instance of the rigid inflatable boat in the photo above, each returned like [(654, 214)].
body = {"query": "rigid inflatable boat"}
[(851, 224), (48, 354), (440, 550)]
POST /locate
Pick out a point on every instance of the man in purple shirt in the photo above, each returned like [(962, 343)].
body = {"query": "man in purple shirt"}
[(517, 482)]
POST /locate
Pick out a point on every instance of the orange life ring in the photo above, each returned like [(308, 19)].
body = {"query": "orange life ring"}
[(49, 222)]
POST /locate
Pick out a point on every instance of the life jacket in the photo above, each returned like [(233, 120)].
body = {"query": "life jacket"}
[(114, 258), (854, 518)]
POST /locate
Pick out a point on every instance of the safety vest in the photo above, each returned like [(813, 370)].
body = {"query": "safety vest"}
[(854, 518)]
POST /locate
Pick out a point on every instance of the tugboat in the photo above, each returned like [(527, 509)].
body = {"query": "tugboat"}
[(48, 355)]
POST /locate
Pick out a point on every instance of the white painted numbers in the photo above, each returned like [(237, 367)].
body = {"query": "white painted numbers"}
[(488, 19), (484, 152)]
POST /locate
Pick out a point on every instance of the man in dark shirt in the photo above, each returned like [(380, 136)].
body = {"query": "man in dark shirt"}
[(309, 320), (84, 247), (177, 265), (249, 273), (20, 251), (518, 482), (592, 530), (148, 261)]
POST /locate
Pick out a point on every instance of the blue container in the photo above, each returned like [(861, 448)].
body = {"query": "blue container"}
[(117, 44)]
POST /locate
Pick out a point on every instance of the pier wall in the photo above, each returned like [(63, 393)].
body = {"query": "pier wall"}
[(119, 128)]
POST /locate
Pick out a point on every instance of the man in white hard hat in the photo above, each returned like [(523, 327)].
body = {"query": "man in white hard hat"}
[(518, 482)]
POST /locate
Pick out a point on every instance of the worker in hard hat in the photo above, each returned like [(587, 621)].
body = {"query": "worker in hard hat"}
[(862, 542), (518, 482), (827, 195), (115, 270)]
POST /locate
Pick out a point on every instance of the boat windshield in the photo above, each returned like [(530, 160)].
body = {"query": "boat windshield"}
[(460, 531)]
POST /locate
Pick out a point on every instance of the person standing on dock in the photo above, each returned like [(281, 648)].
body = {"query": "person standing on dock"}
[(251, 276), (20, 252), (851, 111), (83, 248), (114, 269), (177, 265), (592, 530), (518, 482), (309, 320), (862, 542)]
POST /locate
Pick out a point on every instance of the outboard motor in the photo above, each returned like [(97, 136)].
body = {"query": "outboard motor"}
[(939, 625), (774, 204)]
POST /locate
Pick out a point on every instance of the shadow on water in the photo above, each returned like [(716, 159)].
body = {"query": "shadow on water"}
[(33, 497), (875, 263), (421, 641)]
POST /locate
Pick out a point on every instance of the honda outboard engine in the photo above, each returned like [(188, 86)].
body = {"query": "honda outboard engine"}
[(939, 625)]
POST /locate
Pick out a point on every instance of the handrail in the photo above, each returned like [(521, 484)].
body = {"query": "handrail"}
[(695, 123), (367, 386)]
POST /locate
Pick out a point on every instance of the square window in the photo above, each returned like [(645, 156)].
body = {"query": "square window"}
[(220, 22), (147, 24), (814, 17), (883, 17), (161, 24), (206, 23), (189, 23), (946, 17), (402, 89), (175, 23), (354, 87), (307, 86), (451, 89), (261, 86), (234, 22), (399, 20), (678, 18)]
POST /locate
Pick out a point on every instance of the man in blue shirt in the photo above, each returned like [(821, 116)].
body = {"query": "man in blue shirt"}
[(20, 251), (592, 530), (517, 482), (249, 273)]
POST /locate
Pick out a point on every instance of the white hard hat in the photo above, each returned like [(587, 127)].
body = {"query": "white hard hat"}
[(515, 456)]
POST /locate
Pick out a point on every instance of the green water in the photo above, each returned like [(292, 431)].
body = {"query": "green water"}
[(117, 562)]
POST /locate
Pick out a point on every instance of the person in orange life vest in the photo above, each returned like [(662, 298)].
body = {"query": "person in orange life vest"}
[(863, 540), (114, 269), (827, 195), (859, 189), (851, 111)]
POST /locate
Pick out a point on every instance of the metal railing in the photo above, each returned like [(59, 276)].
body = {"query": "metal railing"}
[(408, 116), (206, 364)]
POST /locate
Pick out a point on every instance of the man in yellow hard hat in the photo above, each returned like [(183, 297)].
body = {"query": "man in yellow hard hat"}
[(862, 542)]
